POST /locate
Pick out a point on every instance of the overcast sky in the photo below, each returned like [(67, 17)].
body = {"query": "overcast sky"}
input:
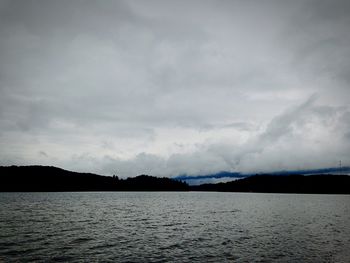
[(172, 87)]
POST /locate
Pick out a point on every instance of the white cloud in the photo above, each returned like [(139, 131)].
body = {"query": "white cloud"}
[(164, 88)]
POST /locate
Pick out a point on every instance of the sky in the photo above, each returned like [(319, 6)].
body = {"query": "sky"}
[(175, 87)]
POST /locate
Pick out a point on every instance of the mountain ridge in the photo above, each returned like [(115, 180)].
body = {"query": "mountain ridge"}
[(226, 174), (50, 178), (54, 179)]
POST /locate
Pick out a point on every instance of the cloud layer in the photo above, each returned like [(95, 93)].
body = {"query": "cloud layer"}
[(168, 88)]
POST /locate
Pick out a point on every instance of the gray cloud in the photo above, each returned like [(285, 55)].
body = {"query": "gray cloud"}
[(168, 88)]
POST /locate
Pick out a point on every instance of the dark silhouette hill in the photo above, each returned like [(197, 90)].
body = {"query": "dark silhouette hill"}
[(48, 179), (236, 175), (322, 184)]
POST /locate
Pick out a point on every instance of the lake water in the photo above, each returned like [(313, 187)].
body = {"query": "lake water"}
[(174, 227)]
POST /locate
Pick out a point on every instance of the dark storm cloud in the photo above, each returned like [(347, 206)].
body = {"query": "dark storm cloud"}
[(319, 40), (174, 87)]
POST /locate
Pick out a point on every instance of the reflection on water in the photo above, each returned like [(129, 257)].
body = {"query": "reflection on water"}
[(176, 227)]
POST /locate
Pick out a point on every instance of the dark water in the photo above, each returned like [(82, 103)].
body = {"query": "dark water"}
[(174, 227)]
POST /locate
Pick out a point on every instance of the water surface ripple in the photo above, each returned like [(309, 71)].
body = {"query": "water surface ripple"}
[(174, 227)]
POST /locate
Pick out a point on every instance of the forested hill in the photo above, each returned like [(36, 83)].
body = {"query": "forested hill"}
[(47, 179), (322, 184)]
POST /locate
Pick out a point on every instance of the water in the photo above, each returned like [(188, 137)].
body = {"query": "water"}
[(174, 227)]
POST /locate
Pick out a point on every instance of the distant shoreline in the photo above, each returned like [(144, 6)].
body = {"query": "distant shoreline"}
[(53, 179)]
